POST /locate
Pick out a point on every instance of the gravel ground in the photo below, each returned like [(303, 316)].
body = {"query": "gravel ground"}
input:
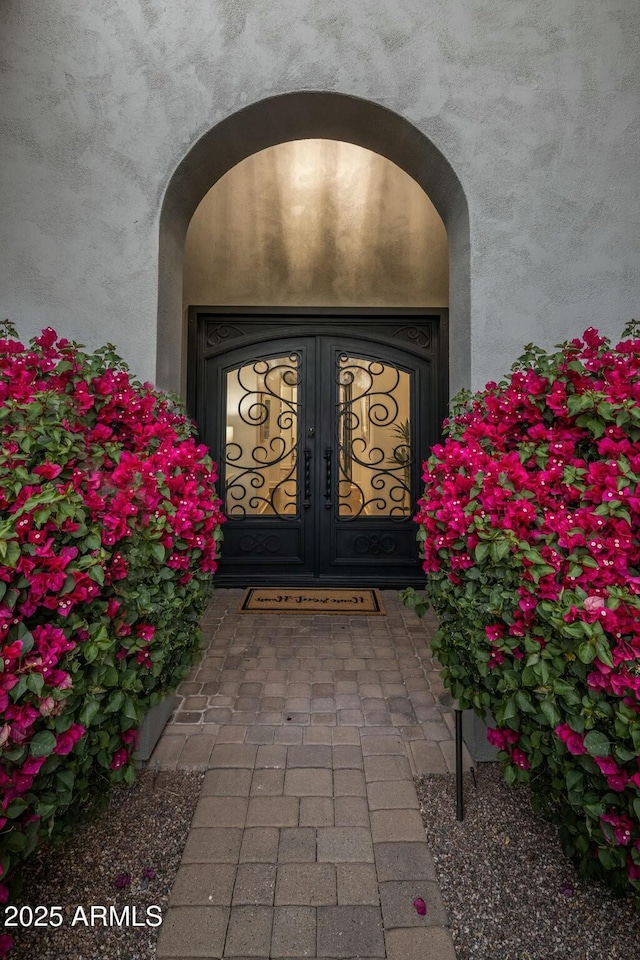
[(510, 892), (143, 830)]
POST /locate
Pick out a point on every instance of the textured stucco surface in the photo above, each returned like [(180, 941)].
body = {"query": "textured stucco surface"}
[(534, 104), (316, 223)]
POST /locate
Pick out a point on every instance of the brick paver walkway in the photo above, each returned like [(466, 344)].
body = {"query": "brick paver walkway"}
[(307, 839)]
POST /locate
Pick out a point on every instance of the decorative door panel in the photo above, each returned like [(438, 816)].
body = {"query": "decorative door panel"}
[(371, 444), (254, 429)]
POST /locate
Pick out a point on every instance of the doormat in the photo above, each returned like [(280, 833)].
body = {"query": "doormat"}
[(312, 600)]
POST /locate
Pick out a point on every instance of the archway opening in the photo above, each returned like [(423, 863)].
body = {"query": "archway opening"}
[(300, 117)]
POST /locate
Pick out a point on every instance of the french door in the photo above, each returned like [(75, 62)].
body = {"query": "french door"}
[(319, 436)]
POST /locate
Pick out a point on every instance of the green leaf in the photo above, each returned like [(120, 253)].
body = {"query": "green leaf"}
[(12, 554), (158, 552), (481, 551), (97, 573), (35, 683), (115, 703), (509, 710), (606, 856), (499, 549), (578, 402), (586, 652), (575, 781), (597, 744), (89, 711), (594, 810), (563, 688), (129, 710), (541, 670), (42, 744), (603, 651), (91, 651), (622, 754), (65, 778), (524, 702), (550, 712), (16, 808), (15, 841), (25, 637), (45, 810), (92, 542)]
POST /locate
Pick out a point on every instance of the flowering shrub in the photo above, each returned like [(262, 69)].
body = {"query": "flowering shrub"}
[(109, 523), (530, 527)]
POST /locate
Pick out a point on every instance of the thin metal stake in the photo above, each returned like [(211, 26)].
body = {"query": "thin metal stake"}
[(459, 786)]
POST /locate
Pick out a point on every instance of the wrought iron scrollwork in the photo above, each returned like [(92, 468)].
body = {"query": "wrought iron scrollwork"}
[(419, 336), (375, 458), (222, 332), (377, 544), (261, 543), (262, 477)]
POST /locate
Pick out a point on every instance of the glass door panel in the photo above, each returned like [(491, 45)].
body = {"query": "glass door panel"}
[(261, 442), (375, 459)]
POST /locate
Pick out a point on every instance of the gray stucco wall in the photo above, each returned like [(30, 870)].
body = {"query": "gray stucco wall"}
[(534, 103)]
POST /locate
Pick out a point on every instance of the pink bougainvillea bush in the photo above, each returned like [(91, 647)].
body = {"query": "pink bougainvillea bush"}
[(109, 523), (530, 525)]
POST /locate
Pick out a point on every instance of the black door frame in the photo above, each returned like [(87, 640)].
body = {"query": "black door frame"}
[(422, 332)]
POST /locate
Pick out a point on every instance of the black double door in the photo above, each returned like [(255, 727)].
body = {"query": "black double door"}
[(319, 438)]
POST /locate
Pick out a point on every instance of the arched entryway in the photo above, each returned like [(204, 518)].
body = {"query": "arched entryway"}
[(355, 396)]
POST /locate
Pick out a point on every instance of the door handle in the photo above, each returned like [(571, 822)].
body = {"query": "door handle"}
[(327, 478), (307, 479)]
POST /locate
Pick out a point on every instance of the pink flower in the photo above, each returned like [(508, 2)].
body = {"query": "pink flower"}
[(6, 942), (502, 738), (573, 741), (607, 765), (112, 608), (32, 765), (47, 706), (519, 758), (120, 757), (48, 471), (593, 604), (67, 740), (47, 338), (618, 781), (633, 870), (143, 657), (622, 827)]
